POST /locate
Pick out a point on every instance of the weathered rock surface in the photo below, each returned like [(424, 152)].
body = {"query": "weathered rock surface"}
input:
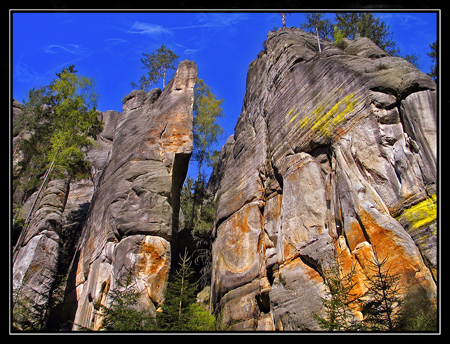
[(333, 155), (36, 258), (139, 168)]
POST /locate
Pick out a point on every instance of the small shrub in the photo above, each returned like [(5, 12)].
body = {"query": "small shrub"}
[(418, 314), (382, 66)]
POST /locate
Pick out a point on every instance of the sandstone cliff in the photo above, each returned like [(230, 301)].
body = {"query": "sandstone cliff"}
[(125, 218), (133, 220), (333, 156)]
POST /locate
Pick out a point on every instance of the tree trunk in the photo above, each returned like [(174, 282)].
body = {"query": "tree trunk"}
[(318, 41), (164, 77), (196, 190)]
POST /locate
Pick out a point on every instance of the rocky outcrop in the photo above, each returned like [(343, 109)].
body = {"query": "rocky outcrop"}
[(139, 167), (333, 157), (36, 254)]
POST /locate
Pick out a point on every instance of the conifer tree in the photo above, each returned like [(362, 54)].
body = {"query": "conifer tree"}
[(124, 313), (158, 64), (181, 293), (383, 309), (60, 121), (338, 302), (433, 55), (180, 311), (315, 24), (355, 25)]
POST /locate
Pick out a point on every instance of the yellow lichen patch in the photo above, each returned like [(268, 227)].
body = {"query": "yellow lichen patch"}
[(291, 111), (288, 114), (421, 213), (335, 116), (293, 118), (326, 123)]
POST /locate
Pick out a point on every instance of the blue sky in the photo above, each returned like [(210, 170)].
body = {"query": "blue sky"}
[(108, 47)]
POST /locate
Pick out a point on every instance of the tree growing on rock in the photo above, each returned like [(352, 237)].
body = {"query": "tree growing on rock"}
[(283, 18), (158, 64), (354, 25), (433, 55), (60, 122), (315, 24)]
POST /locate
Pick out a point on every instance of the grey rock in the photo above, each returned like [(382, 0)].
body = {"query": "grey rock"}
[(36, 258), (333, 155), (133, 221)]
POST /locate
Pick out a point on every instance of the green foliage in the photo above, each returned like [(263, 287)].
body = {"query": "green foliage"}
[(355, 25), (34, 130), (414, 59), (202, 226), (179, 312), (200, 319), (207, 109), (124, 313), (383, 307), (316, 25), (338, 36), (382, 66), (338, 302), (433, 55), (181, 293), (57, 124), (382, 311), (158, 63), (418, 314), (74, 120), (27, 315)]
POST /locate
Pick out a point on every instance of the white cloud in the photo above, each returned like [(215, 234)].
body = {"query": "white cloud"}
[(190, 51), (75, 49), (24, 73), (221, 19), (149, 29), (404, 20)]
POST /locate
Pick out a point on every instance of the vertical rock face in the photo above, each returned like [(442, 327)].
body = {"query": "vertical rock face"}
[(35, 262), (139, 169), (333, 157)]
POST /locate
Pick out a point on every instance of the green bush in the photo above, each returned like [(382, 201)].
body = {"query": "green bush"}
[(418, 314)]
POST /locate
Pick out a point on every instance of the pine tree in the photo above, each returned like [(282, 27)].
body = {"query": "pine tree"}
[(315, 24), (181, 293), (355, 25), (158, 64), (60, 121), (338, 302), (383, 309), (180, 312), (124, 313), (433, 55)]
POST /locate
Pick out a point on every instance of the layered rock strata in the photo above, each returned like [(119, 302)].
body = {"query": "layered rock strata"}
[(333, 158), (139, 168)]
